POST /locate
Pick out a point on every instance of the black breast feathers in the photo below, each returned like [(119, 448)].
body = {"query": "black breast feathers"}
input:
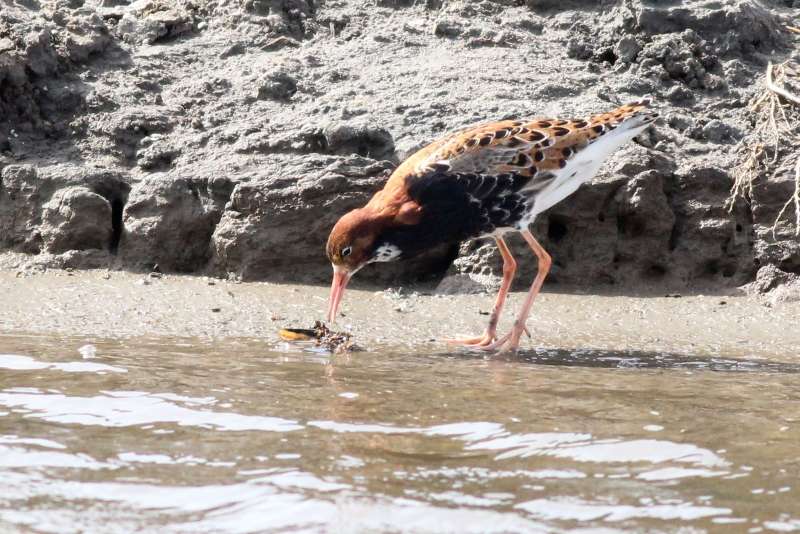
[(461, 206)]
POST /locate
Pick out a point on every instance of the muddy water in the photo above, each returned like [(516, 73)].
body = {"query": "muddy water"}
[(190, 436)]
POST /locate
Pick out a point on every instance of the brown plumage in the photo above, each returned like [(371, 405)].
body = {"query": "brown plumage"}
[(485, 180)]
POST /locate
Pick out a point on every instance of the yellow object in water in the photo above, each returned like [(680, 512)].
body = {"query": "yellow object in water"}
[(298, 334), (321, 335)]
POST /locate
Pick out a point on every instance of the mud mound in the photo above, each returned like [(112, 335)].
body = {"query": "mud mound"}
[(38, 47)]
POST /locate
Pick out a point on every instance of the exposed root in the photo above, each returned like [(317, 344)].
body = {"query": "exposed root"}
[(776, 135), (778, 90), (794, 199)]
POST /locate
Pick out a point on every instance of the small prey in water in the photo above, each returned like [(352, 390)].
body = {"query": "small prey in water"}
[(322, 336)]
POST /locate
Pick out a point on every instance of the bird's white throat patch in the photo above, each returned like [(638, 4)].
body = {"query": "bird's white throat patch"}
[(386, 252)]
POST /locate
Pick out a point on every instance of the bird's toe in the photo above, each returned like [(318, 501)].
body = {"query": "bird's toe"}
[(473, 342)]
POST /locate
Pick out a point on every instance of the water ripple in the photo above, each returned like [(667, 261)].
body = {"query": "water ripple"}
[(193, 441), (135, 409), (576, 510), (26, 363)]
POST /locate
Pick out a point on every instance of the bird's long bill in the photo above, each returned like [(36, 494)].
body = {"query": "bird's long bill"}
[(340, 279)]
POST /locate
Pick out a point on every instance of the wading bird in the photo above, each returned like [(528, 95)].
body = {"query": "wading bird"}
[(484, 181)]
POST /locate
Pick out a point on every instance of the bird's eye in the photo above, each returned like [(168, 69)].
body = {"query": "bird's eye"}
[(346, 251)]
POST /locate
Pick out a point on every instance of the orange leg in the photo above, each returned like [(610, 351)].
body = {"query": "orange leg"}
[(509, 268), (510, 342)]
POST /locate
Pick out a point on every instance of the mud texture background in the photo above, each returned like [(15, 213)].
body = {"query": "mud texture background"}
[(225, 137)]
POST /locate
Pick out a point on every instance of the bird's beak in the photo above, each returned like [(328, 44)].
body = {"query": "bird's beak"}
[(340, 278)]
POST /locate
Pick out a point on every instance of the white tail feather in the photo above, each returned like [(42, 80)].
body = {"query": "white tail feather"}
[(584, 166)]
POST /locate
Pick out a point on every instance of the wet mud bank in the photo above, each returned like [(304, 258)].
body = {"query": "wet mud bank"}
[(226, 137), (117, 305)]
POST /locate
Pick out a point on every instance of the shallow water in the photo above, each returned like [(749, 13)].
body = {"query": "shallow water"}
[(191, 436)]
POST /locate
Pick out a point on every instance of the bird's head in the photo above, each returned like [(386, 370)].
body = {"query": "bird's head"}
[(355, 241), (350, 243)]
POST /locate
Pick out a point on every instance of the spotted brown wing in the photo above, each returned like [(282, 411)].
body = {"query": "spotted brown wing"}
[(522, 147), (546, 161)]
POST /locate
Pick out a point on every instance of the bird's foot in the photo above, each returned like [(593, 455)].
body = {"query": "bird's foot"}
[(479, 342), (509, 343), (489, 341)]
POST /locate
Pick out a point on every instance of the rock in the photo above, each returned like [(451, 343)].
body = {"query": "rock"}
[(776, 285), (284, 16), (578, 48), (713, 243), (447, 28), (738, 26), (125, 130), (770, 277), (64, 208), (557, 5), (683, 57), (627, 49), (21, 197), (87, 36), (35, 51), (680, 94), (644, 225), (6, 45), (775, 240), (407, 147), (157, 153), (464, 284), (790, 292), (277, 84), (280, 42), (169, 221), (150, 21), (683, 43), (477, 269), (717, 131), (361, 139), (235, 49), (75, 218)]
